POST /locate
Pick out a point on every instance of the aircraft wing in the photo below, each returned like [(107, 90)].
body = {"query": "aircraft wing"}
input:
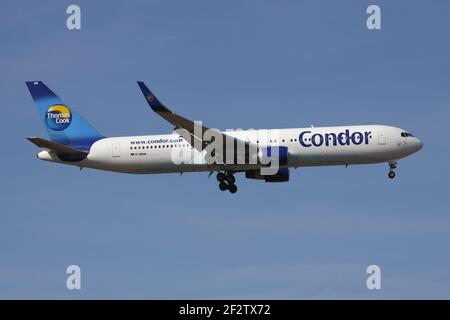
[(56, 147), (184, 123)]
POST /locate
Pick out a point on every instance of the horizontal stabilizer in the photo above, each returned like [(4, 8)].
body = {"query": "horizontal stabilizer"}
[(56, 147)]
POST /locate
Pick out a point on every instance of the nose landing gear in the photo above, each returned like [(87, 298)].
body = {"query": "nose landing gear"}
[(392, 167), (226, 181)]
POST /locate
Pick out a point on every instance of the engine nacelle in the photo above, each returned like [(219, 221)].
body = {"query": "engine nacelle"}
[(279, 152), (254, 174), (281, 176), (267, 157)]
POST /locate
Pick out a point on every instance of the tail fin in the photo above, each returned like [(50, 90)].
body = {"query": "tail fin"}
[(63, 124)]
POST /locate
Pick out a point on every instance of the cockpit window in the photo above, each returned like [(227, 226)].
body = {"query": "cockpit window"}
[(407, 134)]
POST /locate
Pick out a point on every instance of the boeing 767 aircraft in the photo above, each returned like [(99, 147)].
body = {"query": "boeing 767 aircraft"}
[(189, 148)]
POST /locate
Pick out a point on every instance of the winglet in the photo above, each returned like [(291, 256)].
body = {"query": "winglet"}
[(152, 101)]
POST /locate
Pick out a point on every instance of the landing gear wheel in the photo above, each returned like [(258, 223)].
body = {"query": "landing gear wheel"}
[(231, 179), (226, 181), (232, 188), (221, 176), (223, 186), (391, 174)]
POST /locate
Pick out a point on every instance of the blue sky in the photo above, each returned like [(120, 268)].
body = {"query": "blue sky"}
[(231, 64)]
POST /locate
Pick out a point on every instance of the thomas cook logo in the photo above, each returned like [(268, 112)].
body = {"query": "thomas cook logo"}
[(58, 117)]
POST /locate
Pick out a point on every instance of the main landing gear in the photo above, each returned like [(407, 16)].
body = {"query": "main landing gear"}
[(392, 167), (226, 182)]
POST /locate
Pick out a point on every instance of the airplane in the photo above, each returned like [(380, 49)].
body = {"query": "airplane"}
[(73, 141)]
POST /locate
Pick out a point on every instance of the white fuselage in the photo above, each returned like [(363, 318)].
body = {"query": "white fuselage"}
[(321, 146)]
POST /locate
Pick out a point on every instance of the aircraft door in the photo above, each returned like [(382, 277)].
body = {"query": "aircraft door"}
[(116, 150), (381, 137)]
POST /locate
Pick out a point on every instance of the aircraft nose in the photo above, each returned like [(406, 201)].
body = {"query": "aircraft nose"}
[(418, 144)]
